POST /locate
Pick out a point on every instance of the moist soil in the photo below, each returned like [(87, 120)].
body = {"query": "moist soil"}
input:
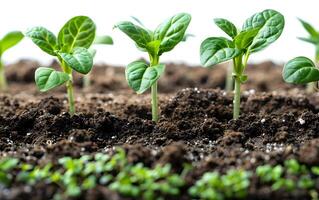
[(277, 122)]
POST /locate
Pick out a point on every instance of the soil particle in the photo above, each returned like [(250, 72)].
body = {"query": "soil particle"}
[(309, 152)]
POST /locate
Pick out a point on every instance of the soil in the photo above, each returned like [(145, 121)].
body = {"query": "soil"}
[(277, 122)]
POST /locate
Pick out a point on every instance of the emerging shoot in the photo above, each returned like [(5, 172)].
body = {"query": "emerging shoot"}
[(8, 41), (70, 48), (313, 38), (140, 75), (258, 32)]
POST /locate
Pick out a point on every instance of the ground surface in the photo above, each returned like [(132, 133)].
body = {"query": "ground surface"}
[(277, 123)]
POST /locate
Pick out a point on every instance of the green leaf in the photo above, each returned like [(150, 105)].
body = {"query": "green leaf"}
[(271, 24), (300, 70), (244, 39), (216, 50), (103, 39), (314, 41), (228, 27), (139, 35), (309, 28), (140, 76), (172, 31), (81, 60), (77, 32), (47, 78), (44, 39), (10, 40)]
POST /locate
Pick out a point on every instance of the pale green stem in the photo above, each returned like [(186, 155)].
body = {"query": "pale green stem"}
[(311, 87), (155, 109), (236, 101), (239, 68), (69, 88), (155, 112), (3, 80), (70, 92), (229, 86), (86, 80)]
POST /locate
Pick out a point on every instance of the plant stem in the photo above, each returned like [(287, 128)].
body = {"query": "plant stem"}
[(3, 81), (311, 87), (154, 102), (236, 101), (69, 88), (155, 110), (86, 80), (229, 86)]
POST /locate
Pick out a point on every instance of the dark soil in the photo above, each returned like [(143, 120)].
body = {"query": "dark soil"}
[(196, 125)]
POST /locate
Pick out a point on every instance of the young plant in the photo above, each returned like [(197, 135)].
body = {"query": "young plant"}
[(258, 32), (99, 40), (140, 75), (70, 48), (313, 38), (300, 70), (8, 41)]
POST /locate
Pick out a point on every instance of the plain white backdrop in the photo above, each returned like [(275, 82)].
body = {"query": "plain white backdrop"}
[(20, 15)]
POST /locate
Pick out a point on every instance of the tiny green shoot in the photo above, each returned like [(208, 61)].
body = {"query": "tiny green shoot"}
[(99, 40), (140, 75), (8, 41), (71, 47), (313, 38), (258, 32)]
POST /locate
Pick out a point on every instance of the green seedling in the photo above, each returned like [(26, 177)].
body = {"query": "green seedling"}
[(313, 38), (8, 41), (71, 49), (99, 40), (140, 75), (258, 32), (300, 70)]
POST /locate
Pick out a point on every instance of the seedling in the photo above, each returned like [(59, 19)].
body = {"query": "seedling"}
[(300, 70), (140, 75), (258, 32), (313, 38), (8, 41), (99, 40), (70, 48)]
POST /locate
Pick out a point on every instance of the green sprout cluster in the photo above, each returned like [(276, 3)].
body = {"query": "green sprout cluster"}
[(291, 176), (73, 176), (213, 186)]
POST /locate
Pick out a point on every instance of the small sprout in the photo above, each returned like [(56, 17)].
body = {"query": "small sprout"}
[(8, 41), (71, 48), (254, 36), (313, 38), (140, 75), (212, 186)]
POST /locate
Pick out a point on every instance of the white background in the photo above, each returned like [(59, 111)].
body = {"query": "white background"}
[(23, 14)]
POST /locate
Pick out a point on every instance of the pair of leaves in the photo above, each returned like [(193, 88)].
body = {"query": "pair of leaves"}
[(313, 33), (141, 77), (10, 40), (258, 32), (168, 34), (71, 47), (300, 70)]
